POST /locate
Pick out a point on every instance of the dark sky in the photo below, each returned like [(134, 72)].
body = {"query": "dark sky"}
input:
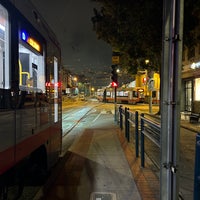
[(71, 22)]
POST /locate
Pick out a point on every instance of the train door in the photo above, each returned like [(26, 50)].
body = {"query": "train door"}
[(7, 113), (32, 108)]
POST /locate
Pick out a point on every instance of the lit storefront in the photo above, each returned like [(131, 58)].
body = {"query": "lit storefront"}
[(191, 86)]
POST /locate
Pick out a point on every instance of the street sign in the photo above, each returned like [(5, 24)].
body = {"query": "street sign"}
[(115, 59), (151, 84)]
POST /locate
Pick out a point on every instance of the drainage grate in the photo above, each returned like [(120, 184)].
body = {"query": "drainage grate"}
[(103, 196)]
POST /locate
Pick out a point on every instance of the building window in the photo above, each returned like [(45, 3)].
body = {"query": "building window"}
[(197, 89), (188, 95), (199, 50)]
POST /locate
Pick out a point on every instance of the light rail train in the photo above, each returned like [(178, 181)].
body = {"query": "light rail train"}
[(124, 95), (30, 95), (132, 95)]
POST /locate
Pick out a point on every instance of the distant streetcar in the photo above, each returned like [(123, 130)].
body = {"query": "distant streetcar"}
[(124, 95), (30, 94)]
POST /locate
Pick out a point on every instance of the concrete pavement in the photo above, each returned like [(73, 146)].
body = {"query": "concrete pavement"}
[(101, 165), (95, 166)]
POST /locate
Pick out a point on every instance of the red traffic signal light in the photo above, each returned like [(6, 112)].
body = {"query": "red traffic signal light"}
[(114, 84)]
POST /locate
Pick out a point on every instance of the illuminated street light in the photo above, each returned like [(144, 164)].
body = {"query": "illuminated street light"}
[(147, 61)]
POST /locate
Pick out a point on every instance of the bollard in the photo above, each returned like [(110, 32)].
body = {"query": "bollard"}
[(197, 169), (136, 135), (142, 141), (127, 124), (120, 117)]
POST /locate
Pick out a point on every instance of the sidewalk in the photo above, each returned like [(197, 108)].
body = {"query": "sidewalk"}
[(96, 168), (102, 165)]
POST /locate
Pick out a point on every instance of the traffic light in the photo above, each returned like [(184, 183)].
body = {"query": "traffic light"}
[(114, 76)]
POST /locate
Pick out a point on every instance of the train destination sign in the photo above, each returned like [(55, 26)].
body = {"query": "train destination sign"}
[(31, 41)]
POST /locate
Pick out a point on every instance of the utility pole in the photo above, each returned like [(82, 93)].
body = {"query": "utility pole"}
[(170, 98)]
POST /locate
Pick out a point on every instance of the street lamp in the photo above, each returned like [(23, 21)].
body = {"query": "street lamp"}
[(147, 61), (92, 91)]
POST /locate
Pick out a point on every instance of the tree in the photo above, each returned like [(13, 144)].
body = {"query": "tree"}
[(134, 28)]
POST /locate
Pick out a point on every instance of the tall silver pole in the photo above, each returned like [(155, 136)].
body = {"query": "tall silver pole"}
[(115, 103), (170, 97)]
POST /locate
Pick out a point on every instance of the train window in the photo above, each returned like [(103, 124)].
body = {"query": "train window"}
[(135, 94), (4, 49), (126, 94), (120, 93), (4, 60), (31, 70), (108, 94)]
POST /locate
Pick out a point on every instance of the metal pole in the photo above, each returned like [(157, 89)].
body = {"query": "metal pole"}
[(120, 117), (115, 102), (150, 101), (170, 98), (197, 169), (142, 141), (136, 134), (127, 125)]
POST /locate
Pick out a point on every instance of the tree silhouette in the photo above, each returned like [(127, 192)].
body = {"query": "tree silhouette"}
[(134, 28)]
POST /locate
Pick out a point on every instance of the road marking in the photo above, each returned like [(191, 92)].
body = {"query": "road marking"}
[(96, 117)]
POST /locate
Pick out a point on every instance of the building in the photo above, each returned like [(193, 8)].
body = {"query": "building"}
[(191, 80)]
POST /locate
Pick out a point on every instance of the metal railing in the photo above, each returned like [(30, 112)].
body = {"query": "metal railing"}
[(151, 130), (130, 118), (146, 127)]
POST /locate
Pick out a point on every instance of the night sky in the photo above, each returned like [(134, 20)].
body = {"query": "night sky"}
[(71, 22)]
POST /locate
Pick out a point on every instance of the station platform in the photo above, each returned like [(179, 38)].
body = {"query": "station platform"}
[(102, 165)]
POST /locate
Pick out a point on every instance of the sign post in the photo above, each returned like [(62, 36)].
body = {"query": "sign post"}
[(115, 59), (115, 62), (151, 88), (170, 98)]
